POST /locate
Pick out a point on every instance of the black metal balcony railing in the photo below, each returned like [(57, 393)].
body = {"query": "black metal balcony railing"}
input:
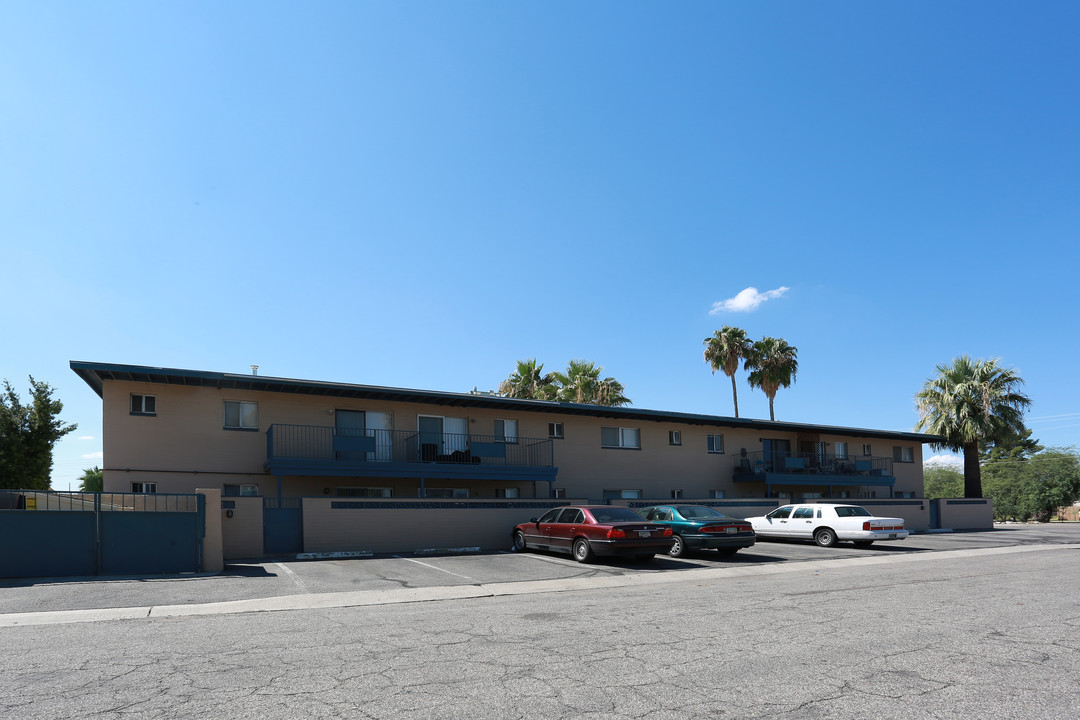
[(347, 445), (757, 463)]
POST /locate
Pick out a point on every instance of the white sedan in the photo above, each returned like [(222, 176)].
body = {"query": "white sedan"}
[(827, 524)]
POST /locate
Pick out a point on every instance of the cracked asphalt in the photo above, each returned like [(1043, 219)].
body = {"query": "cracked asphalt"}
[(974, 625)]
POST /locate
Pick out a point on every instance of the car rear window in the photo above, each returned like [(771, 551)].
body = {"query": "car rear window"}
[(852, 511), (693, 512), (615, 514)]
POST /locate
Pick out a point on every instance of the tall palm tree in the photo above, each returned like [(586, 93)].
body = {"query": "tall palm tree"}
[(581, 383), (971, 402), (724, 351), (529, 381), (772, 364)]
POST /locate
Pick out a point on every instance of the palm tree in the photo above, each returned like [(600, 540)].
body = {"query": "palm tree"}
[(92, 480), (772, 364), (724, 350), (968, 403), (529, 381), (581, 384)]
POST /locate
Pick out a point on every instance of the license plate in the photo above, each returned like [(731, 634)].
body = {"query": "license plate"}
[(731, 530), (644, 533)]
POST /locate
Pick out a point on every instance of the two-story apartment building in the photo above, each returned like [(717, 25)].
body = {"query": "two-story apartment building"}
[(173, 430)]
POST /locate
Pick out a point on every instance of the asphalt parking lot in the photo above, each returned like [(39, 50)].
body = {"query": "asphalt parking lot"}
[(290, 577)]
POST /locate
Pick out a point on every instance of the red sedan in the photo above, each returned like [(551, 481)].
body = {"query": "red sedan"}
[(591, 530)]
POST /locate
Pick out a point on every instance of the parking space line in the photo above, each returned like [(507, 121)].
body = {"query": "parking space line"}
[(433, 567), (293, 576)]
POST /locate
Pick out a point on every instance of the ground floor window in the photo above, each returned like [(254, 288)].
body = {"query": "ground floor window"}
[(446, 492), (143, 487), (241, 490), (622, 494), (716, 493), (676, 494), (365, 492), (506, 492)]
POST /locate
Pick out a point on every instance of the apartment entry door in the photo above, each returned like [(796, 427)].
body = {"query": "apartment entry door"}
[(441, 435), (365, 423), (774, 452)]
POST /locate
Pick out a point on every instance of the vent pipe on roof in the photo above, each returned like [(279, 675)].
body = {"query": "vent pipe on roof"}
[(254, 369)]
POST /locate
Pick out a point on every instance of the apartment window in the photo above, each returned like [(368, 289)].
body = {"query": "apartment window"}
[(845, 493), (241, 415), (364, 492), (715, 443), (506, 431), (559, 493), (144, 405), (716, 494), (676, 494), (143, 487), (674, 437), (903, 454), (617, 437), (622, 494), (555, 430), (866, 449), (506, 492), (446, 492), (841, 450), (243, 490)]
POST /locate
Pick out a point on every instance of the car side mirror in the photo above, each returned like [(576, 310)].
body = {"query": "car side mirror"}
[(534, 521)]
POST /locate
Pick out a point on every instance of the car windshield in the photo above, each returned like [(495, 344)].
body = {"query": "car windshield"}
[(694, 512), (852, 511), (615, 514)]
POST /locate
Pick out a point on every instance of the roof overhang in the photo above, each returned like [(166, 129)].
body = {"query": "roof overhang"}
[(97, 374)]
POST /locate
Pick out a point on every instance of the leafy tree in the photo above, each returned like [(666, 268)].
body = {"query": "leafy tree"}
[(941, 481), (1036, 487), (1011, 446), (724, 351), (972, 402), (772, 364), (529, 381), (92, 480), (27, 436)]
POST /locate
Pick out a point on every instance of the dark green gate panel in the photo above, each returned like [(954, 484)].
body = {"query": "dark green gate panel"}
[(136, 543), (47, 544), (283, 526)]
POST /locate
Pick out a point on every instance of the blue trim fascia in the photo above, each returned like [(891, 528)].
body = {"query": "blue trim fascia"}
[(516, 473), (817, 479)]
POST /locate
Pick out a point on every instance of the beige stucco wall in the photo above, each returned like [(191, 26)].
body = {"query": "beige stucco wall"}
[(185, 446), (211, 546), (241, 534), (966, 514), (386, 530)]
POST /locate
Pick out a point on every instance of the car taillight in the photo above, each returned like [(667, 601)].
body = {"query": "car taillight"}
[(745, 528), (615, 533), (667, 532), (866, 525)]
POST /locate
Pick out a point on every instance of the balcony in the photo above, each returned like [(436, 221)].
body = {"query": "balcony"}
[(348, 452), (810, 468)]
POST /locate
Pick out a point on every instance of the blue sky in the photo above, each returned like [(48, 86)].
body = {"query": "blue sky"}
[(419, 194)]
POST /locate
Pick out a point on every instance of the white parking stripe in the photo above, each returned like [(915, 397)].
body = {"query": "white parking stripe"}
[(434, 568), (293, 576)]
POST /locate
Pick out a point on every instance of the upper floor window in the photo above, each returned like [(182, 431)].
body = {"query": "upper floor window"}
[(715, 443), (618, 437), (555, 430), (841, 450), (903, 454), (506, 431), (674, 437), (866, 449), (241, 415), (144, 404)]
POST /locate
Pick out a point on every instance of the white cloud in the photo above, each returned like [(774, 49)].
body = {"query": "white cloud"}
[(86, 437), (951, 461), (93, 456), (747, 300)]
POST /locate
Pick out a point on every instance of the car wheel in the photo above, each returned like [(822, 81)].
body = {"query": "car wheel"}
[(863, 543), (727, 552), (582, 552), (825, 537), (678, 548), (519, 541)]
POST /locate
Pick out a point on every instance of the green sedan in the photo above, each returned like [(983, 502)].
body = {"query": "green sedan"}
[(698, 527)]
